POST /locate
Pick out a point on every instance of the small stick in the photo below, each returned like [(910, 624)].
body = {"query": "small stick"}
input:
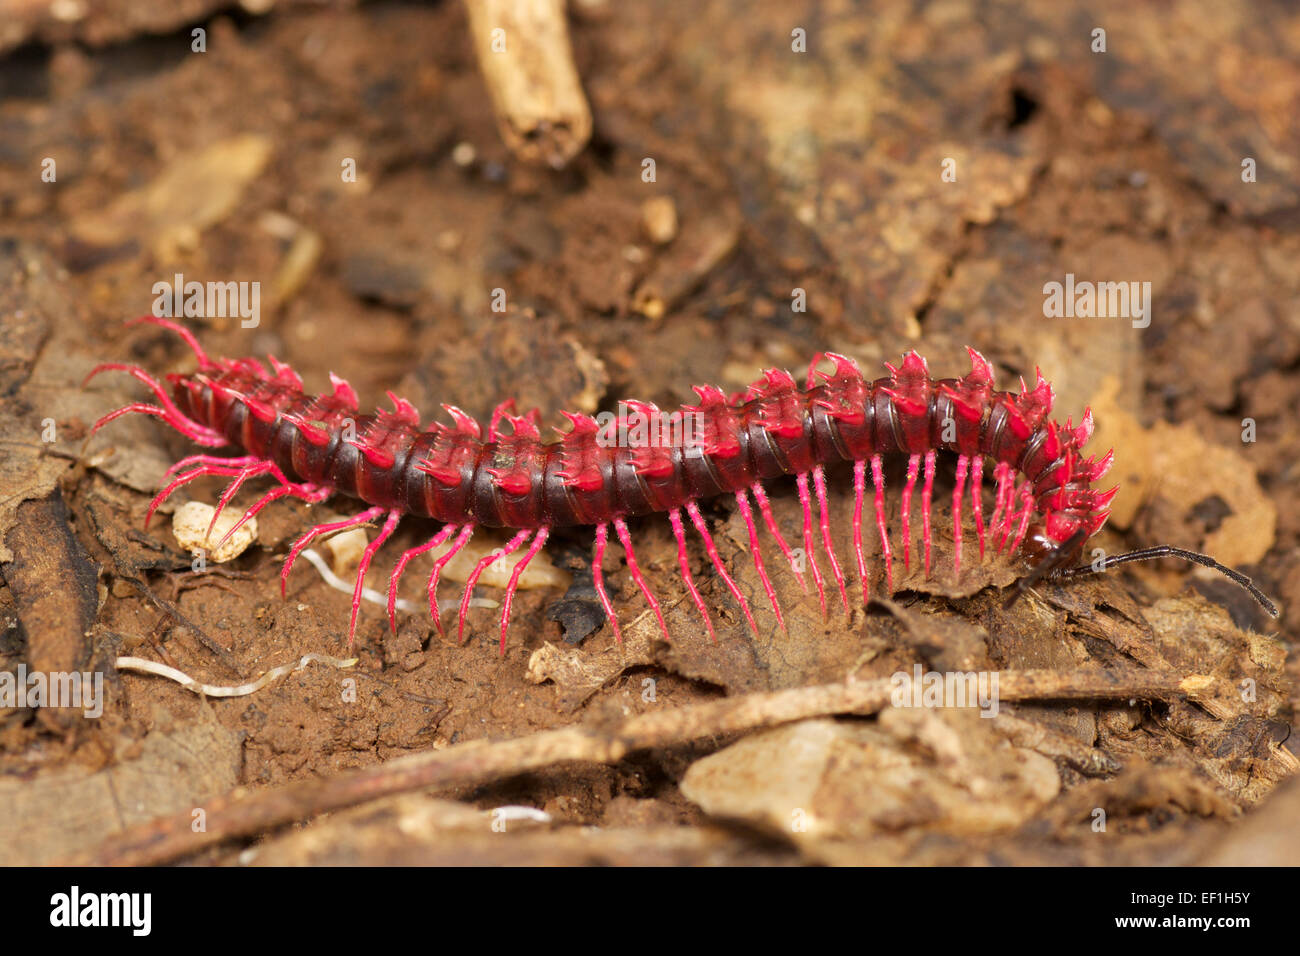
[(476, 762), (523, 50)]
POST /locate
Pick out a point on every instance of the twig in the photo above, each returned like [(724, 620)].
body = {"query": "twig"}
[(524, 53), (480, 761)]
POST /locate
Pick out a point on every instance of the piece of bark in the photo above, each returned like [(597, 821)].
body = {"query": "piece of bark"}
[(54, 584)]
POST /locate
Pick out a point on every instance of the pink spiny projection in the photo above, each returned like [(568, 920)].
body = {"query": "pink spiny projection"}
[(465, 476)]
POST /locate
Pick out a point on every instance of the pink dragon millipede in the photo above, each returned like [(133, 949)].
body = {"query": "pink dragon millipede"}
[(316, 446)]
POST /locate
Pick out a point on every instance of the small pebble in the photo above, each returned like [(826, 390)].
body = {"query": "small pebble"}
[(345, 550), (659, 219), (190, 526)]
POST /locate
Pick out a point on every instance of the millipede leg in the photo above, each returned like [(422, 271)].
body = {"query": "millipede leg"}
[(1027, 501), (675, 519), (913, 463), (1008, 509), (313, 494), (859, 491), (697, 519), (243, 461), (539, 539), (1000, 502), (598, 578), (178, 482), (510, 548), (927, 491), (182, 331), (141, 376), (620, 528), (462, 539), (801, 482), (262, 467), (878, 480), (824, 516), (313, 533), (197, 433), (439, 538), (769, 519), (191, 430), (977, 497), (962, 464), (232, 489), (742, 500), (385, 533)]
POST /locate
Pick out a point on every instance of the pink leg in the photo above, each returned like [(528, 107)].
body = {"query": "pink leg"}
[(308, 493), (312, 534), (462, 539), (439, 538), (182, 331), (510, 548), (173, 415), (1008, 502), (1027, 506), (742, 500), (1009, 520), (598, 578), (801, 482), (261, 468), (769, 519), (384, 534), (232, 489), (913, 463), (181, 481), (240, 474), (539, 539), (1007, 507), (824, 516), (620, 528), (977, 497), (191, 430), (859, 490), (697, 519), (141, 376), (927, 492), (962, 464), (1000, 501), (243, 461), (878, 479), (675, 519)]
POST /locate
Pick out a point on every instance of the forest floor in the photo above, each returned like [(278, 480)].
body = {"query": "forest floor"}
[(798, 204)]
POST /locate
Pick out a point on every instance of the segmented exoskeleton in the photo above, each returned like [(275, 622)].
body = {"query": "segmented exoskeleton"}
[(314, 446)]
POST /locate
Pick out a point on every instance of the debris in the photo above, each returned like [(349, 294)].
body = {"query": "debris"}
[(190, 525), (524, 53), (143, 666)]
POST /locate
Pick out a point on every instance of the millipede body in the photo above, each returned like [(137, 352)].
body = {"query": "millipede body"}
[(505, 476)]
